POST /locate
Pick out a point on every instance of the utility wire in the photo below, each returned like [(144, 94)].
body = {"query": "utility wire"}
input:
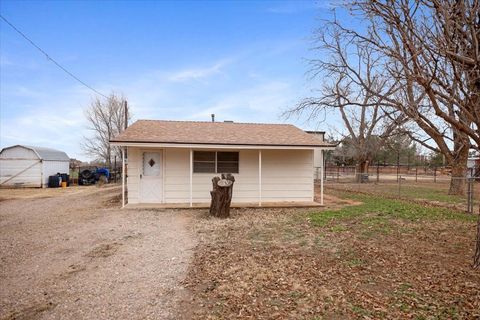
[(51, 59)]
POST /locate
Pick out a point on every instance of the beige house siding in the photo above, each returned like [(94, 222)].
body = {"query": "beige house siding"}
[(287, 175), (177, 175), (133, 174)]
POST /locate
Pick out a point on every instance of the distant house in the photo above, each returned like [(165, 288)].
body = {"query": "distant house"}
[(473, 165), (173, 162), (28, 166)]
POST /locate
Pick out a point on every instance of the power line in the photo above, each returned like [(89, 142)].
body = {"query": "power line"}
[(50, 58)]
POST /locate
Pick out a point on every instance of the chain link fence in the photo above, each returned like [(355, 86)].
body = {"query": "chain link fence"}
[(420, 184)]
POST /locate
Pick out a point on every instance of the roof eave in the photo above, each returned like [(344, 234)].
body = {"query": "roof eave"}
[(215, 145)]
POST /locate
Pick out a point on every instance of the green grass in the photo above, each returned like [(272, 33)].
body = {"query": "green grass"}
[(375, 211), (359, 310), (426, 193)]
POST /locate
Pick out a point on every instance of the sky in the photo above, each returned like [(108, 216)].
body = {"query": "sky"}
[(244, 61)]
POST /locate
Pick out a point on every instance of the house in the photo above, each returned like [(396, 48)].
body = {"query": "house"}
[(28, 166), (473, 167), (173, 162)]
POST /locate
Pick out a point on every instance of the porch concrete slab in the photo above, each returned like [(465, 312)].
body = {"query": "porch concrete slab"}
[(281, 204)]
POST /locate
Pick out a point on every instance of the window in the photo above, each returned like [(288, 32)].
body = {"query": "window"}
[(227, 162), (215, 162), (203, 161)]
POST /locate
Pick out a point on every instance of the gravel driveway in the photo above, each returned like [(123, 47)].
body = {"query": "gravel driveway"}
[(76, 255)]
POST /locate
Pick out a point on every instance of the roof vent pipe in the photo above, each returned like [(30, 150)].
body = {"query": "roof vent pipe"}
[(213, 117)]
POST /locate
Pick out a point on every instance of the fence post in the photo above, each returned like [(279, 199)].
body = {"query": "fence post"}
[(338, 174), (435, 174), (416, 174), (470, 195), (378, 171), (399, 185), (473, 193), (324, 168)]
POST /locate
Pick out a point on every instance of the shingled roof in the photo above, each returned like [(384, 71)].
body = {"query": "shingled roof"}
[(219, 133)]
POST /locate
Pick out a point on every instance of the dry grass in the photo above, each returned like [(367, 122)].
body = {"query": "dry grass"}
[(397, 260), (429, 192)]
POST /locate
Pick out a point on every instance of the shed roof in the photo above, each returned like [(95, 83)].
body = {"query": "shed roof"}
[(219, 133), (44, 153)]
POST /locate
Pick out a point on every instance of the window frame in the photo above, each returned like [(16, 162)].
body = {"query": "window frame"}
[(204, 161), (216, 161), (237, 161)]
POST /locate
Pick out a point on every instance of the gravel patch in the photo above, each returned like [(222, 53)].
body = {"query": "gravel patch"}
[(79, 256)]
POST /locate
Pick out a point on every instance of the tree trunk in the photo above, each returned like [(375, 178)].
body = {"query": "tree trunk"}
[(362, 168), (476, 257), (221, 195), (459, 165), (458, 180)]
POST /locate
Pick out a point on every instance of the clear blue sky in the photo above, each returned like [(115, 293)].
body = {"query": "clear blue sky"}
[(244, 61)]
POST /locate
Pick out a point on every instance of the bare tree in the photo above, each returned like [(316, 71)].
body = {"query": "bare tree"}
[(106, 119), (432, 50), (399, 93), (427, 129), (349, 67)]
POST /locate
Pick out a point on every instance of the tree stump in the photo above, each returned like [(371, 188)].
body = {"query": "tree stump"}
[(221, 195)]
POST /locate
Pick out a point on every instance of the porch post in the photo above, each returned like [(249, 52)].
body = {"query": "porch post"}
[(322, 169), (259, 178), (123, 177), (191, 177)]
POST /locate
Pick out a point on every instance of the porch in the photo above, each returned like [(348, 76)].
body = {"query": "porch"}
[(204, 205)]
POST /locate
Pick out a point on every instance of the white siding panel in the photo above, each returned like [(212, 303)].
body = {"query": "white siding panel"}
[(13, 168), (287, 175), (317, 158), (51, 168), (177, 178), (133, 174)]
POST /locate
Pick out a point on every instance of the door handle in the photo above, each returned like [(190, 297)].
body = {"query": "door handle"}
[(141, 176)]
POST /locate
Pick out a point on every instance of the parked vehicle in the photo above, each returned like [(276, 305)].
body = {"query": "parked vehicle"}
[(92, 176)]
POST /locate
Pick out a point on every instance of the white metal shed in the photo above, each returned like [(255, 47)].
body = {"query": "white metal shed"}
[(28, 166)]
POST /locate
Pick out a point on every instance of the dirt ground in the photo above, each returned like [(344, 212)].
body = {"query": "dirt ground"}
[(73, 254), (276, 264)]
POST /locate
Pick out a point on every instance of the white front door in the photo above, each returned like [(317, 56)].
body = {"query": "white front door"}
[(151, 178)]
